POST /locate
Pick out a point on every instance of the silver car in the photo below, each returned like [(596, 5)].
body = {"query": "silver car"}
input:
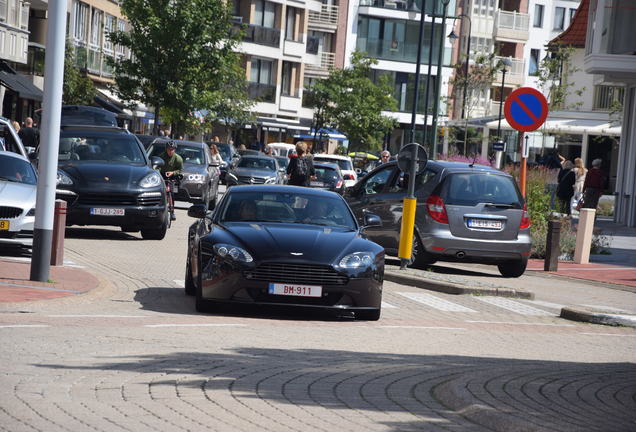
[(255, 169), (18, 189), (465, 213)]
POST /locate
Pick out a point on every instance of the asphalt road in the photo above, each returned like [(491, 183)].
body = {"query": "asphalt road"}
[(134, 355)]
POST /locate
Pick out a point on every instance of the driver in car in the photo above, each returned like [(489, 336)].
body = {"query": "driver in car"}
[(247, 211), (317, 212)]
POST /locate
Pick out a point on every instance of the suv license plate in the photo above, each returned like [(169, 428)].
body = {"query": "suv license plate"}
[(4, 225), (484, 223), (295, 290), (108, 212)]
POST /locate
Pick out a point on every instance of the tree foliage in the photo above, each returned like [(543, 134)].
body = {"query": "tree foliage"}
[(349, 101), (183, 56), (481, 75), (78, 89), (553, 75)]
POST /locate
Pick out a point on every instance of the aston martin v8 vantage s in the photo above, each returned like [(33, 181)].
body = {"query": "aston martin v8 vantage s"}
[(285, 246)]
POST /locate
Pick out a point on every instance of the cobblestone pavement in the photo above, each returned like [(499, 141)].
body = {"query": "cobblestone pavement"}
[(134, 355)]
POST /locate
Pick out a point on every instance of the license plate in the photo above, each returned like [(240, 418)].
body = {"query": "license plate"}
[(316, 184), (295, 290), (107, 212), (4, 225), (484, 223)]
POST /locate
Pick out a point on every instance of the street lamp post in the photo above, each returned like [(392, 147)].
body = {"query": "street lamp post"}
[(417, 71), (505, 64), (438, 86)]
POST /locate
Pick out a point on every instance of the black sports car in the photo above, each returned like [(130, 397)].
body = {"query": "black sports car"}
[(284, 245)]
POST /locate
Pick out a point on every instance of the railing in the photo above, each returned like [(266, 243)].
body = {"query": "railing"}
[(394, 50), (512, 21), (607, 97), (262, 35), (327, 60), (328, 15), (517, 67), (261, 92)]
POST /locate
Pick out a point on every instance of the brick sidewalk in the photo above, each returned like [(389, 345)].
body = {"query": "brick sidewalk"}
[(15, 285), (620, 275)]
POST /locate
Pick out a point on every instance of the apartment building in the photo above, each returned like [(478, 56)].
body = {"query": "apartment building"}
[(388, 30)]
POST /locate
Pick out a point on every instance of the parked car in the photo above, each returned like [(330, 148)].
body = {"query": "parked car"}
[(465, 213), (146, 140), (87, 115), (106, 178), (345, 164), (281, 149), (328, 177), (9, 139), (18, 190), (200, 181), (284, 245), (283, 161), (228, 154), (245, 152), (255, 169)]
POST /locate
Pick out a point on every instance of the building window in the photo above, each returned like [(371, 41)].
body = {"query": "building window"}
[(572, 12), (559, 18), (607, 97), (96, 28), (80, 18), (286, 84), (533, 67), (261, 71), (290, 24), (121, 26), (265, 14), (109, 26), (538, 15)]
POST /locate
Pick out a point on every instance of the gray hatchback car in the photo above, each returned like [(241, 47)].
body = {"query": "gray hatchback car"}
[(465, 213)]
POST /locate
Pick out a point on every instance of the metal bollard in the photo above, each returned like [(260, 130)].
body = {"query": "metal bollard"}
[(59, 226), (552, 246)]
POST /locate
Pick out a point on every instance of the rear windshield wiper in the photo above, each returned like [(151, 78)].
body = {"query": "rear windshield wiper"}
[(499, 205)]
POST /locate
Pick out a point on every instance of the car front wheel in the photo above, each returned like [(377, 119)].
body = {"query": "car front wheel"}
[(369, 315), (156, 233), (513, 269)]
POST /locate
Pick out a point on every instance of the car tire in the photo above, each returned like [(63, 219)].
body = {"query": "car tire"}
[(420, 259), (190, 287), (157, 233), (513, 269), (369, 315)]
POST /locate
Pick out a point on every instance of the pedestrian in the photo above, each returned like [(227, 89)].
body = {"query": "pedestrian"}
[(216, 139), (593, 185), (579, 171), (565, 188), (300, 168), (553, 167), (161, 133), (216, 156), (385, 157), (29, 135), (16, 126)]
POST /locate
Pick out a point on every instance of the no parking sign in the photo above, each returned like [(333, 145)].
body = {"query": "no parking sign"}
[(526, 109)]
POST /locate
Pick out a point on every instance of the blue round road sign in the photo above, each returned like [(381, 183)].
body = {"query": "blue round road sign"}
[(526, 109)]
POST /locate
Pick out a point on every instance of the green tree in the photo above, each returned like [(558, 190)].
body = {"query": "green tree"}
[(78, 89), (554, 78), (183, 55), (349, 101)]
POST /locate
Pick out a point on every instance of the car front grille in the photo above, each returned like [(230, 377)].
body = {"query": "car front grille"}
[(10, 212), (304, 274), (149, 201), (118, 200), (251, 180)]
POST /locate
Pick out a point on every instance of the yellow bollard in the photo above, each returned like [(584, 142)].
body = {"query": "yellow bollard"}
[(406, 231)]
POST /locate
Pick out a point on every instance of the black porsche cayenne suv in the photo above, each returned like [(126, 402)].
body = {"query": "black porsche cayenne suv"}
[(106, 178)]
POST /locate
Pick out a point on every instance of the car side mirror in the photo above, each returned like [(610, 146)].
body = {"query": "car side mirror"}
[(156, 162), (371, 220), (198, 211)]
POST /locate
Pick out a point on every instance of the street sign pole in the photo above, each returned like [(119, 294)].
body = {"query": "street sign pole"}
[(47, 165), (524, 164)]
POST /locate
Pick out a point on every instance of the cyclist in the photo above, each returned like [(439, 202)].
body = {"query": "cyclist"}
[(173, 164)]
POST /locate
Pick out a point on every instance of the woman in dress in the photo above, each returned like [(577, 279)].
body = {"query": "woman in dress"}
[(579, 171)]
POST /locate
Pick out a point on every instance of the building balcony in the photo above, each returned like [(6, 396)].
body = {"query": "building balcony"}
[(320, 68), (515, 76), (393, 50), (511, 26), (325, 20), (290, 103), (294, 48), (261, 92), (262, 35)]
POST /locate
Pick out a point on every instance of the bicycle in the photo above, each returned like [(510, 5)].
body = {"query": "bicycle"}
[(172, 187)]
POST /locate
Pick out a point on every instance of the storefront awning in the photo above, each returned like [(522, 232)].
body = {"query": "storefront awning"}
[(140, 110), (330, 133), (20, 84), (573, 126)]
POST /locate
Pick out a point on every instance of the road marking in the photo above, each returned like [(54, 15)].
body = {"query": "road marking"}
[(420, 327), (606, 308), (435, 302), (41, 288), (546, 304), (522, 323), (195, 325), (514, 306), (180, 283), (24, 326), (608, 334), (99, 316), (388, 305)]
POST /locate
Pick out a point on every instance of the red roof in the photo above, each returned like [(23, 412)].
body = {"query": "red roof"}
[(576, 33)]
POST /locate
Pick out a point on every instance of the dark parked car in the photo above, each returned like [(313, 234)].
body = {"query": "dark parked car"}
[(200, 181), (284, 245), (228, 154), (465, 213), (329, 177), (87, 116), (255, 169), (106, 178), (146, 140)]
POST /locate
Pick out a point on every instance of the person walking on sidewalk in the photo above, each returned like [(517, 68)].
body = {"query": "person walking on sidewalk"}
[(565, 188), (579, 172), (593, 185)]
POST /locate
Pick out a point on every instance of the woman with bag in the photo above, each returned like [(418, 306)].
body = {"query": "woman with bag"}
[(565, 187), (300, 168)]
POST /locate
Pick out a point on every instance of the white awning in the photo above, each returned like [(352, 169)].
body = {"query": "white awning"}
[(573, 126)]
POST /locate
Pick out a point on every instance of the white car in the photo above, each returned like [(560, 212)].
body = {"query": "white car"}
[(345, 164), (18, 189), (281, 149)]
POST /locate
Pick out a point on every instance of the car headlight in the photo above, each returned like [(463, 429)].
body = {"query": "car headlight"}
[(151, 180), (63, 178), (270, 180), (357, 260), (31, 212), (234, 252), (196, 178)]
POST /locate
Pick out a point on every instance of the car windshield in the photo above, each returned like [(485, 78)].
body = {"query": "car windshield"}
[(190, 154), (257, 163), (286, 207), (470, 189), (224, 150), (100, 146), (344, 164), (16, 170), (326, 175), (283, 161)]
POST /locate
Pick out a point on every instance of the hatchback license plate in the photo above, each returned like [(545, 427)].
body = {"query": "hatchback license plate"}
[(108, 212), (4, 225), (316, 184), (484, 223), (295, 290)]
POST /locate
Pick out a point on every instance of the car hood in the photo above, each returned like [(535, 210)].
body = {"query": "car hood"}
[(14, 194), (251, 172), (194, 168), (317, 244), (105, 175)]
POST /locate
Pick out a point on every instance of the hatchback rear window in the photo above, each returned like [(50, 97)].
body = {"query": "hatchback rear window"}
[(470, 189)]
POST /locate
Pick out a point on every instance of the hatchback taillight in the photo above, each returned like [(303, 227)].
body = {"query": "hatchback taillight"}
[(525, 218), (437, 209), (339, 184)]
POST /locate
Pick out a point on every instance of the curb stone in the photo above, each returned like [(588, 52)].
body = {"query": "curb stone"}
[(598, 317), (454, 288)]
